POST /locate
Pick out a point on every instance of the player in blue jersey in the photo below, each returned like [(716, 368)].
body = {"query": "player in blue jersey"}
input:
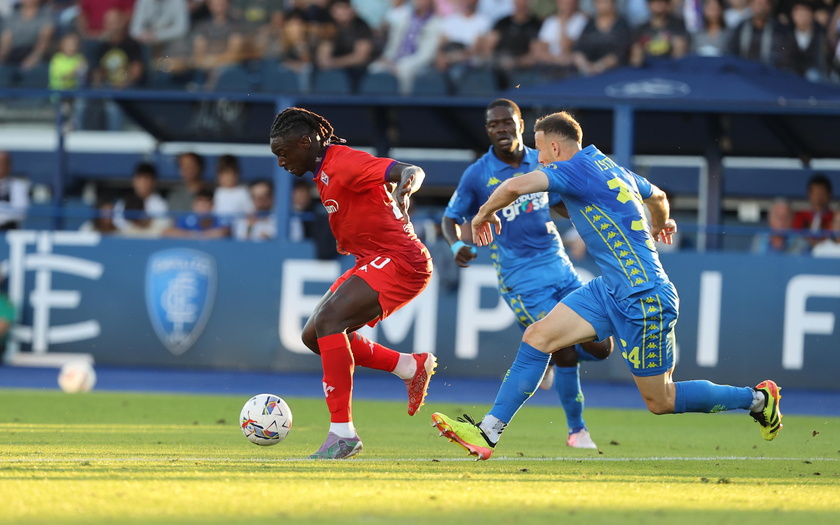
[(633, 299), (533, 270)]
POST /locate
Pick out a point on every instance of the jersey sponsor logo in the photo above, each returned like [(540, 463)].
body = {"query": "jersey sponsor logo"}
[(325, 178), (525, 204), (331, 205), (180, 291), (493, 181)]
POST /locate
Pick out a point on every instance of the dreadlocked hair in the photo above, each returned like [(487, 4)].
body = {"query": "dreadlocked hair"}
[(302, 121)]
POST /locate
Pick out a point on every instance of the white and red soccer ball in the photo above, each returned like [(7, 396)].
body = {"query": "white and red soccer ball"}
[(265, 419)]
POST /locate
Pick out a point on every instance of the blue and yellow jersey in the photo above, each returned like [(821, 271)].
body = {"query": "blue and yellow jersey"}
[(528, 253), (605, 203)]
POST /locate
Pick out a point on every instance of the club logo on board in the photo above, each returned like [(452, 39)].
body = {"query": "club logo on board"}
[(180, 291)]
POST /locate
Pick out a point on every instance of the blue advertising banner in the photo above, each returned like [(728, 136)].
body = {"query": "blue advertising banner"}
[(227, 304)]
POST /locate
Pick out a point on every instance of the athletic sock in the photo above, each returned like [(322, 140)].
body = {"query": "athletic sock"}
[(368, 354), (567, 386), (759, 401), (520, 383), (705, 396), (492, 428), (345, 430), (337, 362)]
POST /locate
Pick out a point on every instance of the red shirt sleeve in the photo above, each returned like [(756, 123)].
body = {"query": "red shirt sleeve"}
[(368, 171)]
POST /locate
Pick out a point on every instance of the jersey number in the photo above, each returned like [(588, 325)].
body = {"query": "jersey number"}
[(632, 357)]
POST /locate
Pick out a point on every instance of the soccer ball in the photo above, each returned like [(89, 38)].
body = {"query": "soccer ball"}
[(76, 376), (265, 419)]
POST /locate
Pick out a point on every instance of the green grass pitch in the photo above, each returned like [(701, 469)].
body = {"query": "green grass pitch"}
[(111, 457)]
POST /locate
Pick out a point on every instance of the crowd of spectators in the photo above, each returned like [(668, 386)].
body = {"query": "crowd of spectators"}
[(193, 44)]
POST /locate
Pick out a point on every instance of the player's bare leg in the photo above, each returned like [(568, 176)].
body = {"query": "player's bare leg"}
[(352, 305), (663, 396)]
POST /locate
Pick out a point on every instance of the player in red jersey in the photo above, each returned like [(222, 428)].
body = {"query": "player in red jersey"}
[(367, 200)]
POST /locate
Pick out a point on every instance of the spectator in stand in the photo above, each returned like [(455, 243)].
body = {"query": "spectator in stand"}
[(712, 39), (461, 39), (160, 25), (781, 238), (90, 21), (217, 43), (261, 224), (830, 246), (255, 14), (411, 46), (201, 223), (557, 37), (308, 221), (232, 200), (495, 10), (510, 42), (347, 45), (117, 64), (68, 65), (136, 222), (811, 55), (144, 188), (191, 171), (26, 36), (737, 12), (7, 318), (816, 220), (14, 195), (762, 38), (605, 41), (199, 12), (103, 218), (662, 37)]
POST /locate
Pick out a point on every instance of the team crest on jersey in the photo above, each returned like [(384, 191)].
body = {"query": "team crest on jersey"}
[(180, 291), (493, 181), (325, 178), (331, 205)]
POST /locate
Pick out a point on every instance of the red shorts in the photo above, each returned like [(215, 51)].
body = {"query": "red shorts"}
[(396, 280)]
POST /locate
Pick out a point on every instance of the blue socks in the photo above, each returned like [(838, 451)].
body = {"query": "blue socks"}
[(704, 396), (520, 383), (567, 386)]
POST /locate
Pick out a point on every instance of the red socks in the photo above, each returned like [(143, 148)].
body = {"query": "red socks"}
[(372, 355), (337, 362)]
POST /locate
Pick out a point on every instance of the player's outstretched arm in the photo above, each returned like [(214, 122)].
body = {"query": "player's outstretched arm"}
[(408, 178), (662, 227), (463, 252), (486, 220)]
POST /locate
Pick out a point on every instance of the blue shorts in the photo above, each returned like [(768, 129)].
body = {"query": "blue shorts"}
[(643, 324), (529, 307)]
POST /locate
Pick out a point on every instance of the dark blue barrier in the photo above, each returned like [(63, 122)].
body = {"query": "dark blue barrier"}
[(230, 305)]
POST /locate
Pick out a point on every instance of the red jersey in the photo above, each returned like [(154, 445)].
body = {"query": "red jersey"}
[(364, 218)]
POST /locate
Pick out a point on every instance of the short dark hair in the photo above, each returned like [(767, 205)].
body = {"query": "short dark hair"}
[(505, 103), (561, 123), (204, 193), (145, 168), (300, 122), (227, 162), (819, 179), (196, 157), (270, 183)]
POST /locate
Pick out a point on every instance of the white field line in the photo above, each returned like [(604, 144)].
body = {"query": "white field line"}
[(176, 459)]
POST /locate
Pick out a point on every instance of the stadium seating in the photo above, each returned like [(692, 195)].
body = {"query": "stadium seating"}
[(477, 83), (379, 84), (278, 79), (332, 82), (430, 83), (234, 79)]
